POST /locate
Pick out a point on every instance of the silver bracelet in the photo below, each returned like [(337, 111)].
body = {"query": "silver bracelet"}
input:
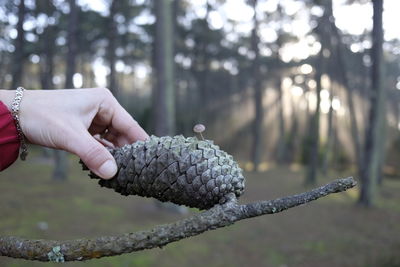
[(19, 93)]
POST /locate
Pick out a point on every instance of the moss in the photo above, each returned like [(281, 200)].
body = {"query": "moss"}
[(275, 258), (318, 247)]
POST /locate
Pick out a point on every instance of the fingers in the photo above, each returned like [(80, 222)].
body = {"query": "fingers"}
[(120, 123), (126, 126), (112, 136), (104, 141), (95, 156)]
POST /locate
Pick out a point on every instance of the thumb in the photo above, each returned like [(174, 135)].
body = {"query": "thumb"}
[(95, 156)]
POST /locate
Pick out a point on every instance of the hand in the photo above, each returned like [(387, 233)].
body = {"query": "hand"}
[(73, 119)]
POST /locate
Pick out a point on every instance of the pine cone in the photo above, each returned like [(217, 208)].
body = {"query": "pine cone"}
[(185, 171)]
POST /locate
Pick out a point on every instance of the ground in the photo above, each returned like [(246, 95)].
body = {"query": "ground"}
[(332, 231)]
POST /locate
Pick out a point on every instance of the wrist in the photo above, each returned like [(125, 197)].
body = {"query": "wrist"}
[(7, 97), (15, 107)]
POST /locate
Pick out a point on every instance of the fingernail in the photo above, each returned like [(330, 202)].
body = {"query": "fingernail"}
[(145, 136), (108, 169)]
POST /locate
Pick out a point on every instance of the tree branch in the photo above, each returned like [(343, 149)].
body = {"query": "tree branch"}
[(216, 217)]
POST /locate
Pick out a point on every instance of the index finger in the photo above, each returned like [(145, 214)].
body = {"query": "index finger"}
[(120, 121), (126, 126)]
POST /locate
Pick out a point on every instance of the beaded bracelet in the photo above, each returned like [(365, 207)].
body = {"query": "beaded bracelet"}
[(19, 93)]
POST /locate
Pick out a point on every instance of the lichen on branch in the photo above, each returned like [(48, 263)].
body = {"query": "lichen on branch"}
[(216, 217)]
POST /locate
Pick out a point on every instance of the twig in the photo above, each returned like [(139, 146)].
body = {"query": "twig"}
[(216, 217)]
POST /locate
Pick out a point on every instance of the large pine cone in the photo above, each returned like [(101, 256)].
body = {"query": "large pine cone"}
[(185, 171)]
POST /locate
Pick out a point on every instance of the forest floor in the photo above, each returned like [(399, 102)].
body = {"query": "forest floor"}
[(332, 231)]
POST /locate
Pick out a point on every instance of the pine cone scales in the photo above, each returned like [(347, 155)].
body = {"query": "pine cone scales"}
[(185, 171)]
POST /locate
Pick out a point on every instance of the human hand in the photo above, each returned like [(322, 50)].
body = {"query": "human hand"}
[(72, 120)]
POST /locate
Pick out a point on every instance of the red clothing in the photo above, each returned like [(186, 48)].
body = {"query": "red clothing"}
[(9, 141)]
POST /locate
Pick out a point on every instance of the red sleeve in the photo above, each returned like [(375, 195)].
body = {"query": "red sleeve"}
[(9, 141)]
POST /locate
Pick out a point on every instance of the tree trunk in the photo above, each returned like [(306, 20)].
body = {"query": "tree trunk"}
[(341, 61), (3, 68), (60, 157), (47, 52), (164, 90), (329, 140), (373, 136), (203, 68), (382, 145), (71, 44), (47, 62), (293, 137), (19, 45), (258, 94), (111, 57), (164, 93), (281, 151), (311, 177)]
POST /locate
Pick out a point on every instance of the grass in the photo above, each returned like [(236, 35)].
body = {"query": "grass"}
[(333, 231)]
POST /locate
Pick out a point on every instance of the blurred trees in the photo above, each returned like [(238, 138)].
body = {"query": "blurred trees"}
[(272, 82), (374, 136), (342, 75), (19, 52), (111, 47), (72, 45), (60, 157), (46, 40), (320, 69), (314, 127), (164, 90), (257, 82)]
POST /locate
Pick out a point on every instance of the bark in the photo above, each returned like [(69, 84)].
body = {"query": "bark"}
[(373, 135), (164, 93), (19, 45), (258, 94), (216, 217)]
